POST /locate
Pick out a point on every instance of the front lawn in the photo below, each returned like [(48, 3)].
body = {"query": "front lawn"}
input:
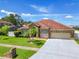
[(3, 50), (77, 40), (24, 54), (21, 54), (21, 41)]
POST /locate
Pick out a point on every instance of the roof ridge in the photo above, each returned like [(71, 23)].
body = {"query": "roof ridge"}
[(54, 24), (60, 23)]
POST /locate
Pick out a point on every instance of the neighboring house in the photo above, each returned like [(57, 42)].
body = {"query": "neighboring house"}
[(5, 23), (47, 28), (12, 27), (52, 29), (24, 27)]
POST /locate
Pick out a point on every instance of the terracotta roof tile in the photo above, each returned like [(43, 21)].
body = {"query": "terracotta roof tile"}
[(52, 24), (42, 25), (1, 21)]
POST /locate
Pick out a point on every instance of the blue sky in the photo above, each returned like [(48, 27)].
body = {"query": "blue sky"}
[(63, 11)]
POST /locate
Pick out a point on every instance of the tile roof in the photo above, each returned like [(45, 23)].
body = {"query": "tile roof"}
[(48, 23), (42, 26), (5, 22)]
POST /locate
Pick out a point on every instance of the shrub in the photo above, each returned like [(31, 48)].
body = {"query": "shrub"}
[(32, 31), (17, 33), (25, 33), (38, 42), (4, 30), (21, 33)]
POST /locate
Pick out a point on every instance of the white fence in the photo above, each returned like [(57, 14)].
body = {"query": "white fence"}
[(10, 33), (77, 34)]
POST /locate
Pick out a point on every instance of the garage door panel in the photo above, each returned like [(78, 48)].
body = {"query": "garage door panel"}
[(60, 35)]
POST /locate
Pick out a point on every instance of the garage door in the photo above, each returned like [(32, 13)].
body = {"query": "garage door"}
[(60, 35)]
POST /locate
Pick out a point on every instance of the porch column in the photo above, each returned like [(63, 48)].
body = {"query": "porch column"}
[(72, 34), (38, 32), (49, 33)]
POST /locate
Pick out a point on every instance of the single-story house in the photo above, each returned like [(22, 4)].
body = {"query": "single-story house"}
[(12, 27), (24, 27), (51, 29), (2, 22), (47, 28)]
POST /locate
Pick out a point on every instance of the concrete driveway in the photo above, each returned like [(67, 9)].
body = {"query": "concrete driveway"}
[(58, 49)]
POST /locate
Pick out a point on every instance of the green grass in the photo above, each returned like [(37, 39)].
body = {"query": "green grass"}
[(21, 54), (77, 40), (3, 50), (21, 41), (24, 54)]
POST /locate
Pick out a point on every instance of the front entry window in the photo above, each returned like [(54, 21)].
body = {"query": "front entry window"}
[(44, 33)]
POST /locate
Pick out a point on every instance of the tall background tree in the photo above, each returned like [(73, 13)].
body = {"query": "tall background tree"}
[(14, 19)]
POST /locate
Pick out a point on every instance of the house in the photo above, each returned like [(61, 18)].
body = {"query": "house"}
[(12, 27), (48, 28), (5, 23)]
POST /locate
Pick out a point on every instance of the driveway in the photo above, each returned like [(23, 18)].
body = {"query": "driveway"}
[(58, 49)]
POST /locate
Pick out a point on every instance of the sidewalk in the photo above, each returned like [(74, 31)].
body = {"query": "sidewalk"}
[(20, 47)]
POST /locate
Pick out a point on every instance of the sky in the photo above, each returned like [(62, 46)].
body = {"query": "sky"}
[(63, 11)]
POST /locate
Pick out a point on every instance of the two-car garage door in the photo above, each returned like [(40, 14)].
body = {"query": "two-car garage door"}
[(55, 34), (60, 35)]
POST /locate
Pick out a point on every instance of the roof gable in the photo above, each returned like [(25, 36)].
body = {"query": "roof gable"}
[(5, 22), (52, 24)]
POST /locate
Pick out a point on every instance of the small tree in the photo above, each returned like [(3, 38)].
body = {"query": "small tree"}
[(24, 33), (4, 29), (32, 31)]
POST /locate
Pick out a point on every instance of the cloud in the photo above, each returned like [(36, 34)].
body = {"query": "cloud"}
[(68, 16), (24, 14), (40, 9), (45, 18), (0, 17), (6, 12), (29, 14)]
